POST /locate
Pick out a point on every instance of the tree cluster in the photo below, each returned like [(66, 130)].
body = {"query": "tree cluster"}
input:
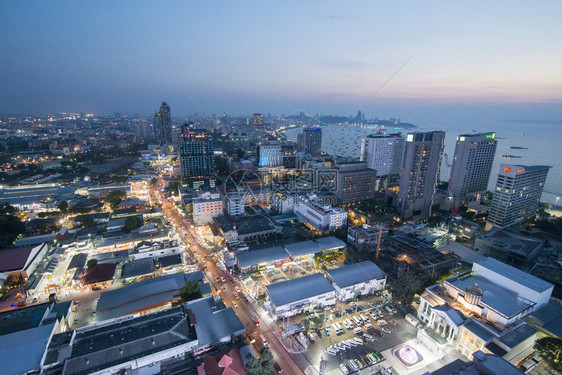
[(550, 350), (10, 225), (115, 197), (132, 223), (408, 285), (190, 291), (262, 365)]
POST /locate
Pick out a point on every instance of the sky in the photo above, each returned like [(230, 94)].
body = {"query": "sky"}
[(385, 58)]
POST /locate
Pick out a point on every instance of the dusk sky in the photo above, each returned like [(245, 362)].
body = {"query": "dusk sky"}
[(279, 57)]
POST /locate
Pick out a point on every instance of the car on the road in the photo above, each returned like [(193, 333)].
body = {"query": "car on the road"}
[(319, 333), (234, 304), (223, 288), (326, 331), (223, 279), (237, 289), (277, 367), (310, 337), (217, 279)]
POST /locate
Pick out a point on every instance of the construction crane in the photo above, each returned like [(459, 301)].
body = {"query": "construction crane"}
[(381, 227)]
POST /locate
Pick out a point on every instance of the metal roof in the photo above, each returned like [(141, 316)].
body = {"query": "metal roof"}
[(330, 243), (123, 301), (512, 273), (298, 289), (272, 254), (137, 267), (500, 299), (213, 325), (355, 274), (303, 248), (22, 351)]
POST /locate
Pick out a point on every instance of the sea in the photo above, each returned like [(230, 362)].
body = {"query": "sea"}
[(528, 143)]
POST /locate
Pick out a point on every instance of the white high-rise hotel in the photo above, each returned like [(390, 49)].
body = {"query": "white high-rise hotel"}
[(517, 194), (472, 164), (383, 153)]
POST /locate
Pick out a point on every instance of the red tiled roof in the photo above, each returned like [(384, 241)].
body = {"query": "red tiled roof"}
[(99, 273), (223, 363), (14, 259)]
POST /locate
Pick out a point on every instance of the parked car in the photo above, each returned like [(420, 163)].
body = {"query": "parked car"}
[(386, 330)]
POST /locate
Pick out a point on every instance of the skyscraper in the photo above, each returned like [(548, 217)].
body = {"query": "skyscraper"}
[(312, 141), (517, 194), (472, 164), (383, 153), (197, 160), (163, 124), (269, 154), (419, 174)]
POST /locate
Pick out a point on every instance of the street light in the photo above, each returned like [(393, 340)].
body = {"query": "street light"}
[(556, 203)]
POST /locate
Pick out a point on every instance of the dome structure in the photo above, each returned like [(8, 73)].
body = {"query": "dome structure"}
[(473, 294)]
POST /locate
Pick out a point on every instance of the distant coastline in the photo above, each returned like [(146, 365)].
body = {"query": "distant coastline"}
[(530, 121)]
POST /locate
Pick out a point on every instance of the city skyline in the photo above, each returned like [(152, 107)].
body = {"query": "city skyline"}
[(328, 58)]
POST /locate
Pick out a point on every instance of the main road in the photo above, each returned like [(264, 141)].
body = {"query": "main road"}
[(246, 311)]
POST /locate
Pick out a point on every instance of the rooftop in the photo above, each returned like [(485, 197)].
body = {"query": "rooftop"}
[(14, 259), (212, 324), (78, 261), (137, 268), (99, 273), (549, 317), (513, 242), (514, 274), (98, 347), (139, 296), (272, 254), (298, 289), (22, 351), (500, 299), (330, 243), (466, 254), (485, 333), (355, 273), (303, 248)]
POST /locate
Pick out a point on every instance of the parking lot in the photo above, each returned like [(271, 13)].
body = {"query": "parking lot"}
[(325, 337)]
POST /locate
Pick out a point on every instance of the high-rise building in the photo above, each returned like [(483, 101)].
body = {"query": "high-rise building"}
[(472, 164), (419, 174), (163, 124), (355, 182), (166, 119), (517, 194), (269, 154), (383, 153), (197, 160), (312, 141), (258, 119)]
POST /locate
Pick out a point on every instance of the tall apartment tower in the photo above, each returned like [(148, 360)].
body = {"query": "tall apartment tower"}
[(269, 154), (163, 124), (517, 194), (384, 154), (472, 165), (197, 159), (419, 174), (312, 141)]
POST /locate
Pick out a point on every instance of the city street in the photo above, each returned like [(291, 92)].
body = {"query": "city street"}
[(244, 311)]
